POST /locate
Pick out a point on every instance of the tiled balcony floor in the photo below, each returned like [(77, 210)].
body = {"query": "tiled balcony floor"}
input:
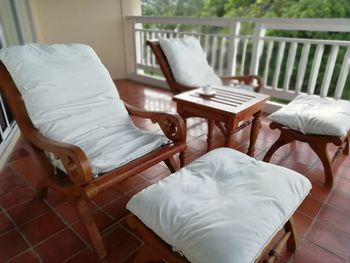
[(49, 231)]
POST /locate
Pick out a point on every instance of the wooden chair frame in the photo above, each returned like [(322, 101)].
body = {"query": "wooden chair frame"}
[(155, 249), (78, 185), (318, 144), (178, 88)]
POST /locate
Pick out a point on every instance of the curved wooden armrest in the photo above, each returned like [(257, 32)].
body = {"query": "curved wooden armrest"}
[(173, 126), (248, 79), (73, 158)]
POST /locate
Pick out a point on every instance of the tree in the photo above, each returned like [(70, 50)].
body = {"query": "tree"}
[(263, 9), (172, 7)]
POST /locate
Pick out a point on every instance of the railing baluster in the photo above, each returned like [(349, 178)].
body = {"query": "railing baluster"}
[(206, 44), (213, 52), (267, 63), (232, 48), (5, 119), (258, 43), (222, 55), (148, 52), (280, 53), (315, 69), (199, 38), (290, 65), (142, 47), (153, 58), (137, 45), (244, 52), (302, 67), (344, 71), (329, 71), (2, 38)]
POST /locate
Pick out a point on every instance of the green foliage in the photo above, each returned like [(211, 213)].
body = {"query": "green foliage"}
[(172, 7), (265, 9), (248, 8)]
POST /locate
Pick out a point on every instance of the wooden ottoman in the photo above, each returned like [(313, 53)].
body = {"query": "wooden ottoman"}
[(316, 121), (223, 207)]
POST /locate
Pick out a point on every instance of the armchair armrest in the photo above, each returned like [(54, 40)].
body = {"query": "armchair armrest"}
[(173, 126), (73, 158), (248, 79)]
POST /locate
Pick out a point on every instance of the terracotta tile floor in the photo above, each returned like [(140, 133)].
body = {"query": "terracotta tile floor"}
[(49, 231)]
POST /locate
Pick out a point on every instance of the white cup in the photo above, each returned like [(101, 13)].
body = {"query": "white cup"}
[(208, 89)]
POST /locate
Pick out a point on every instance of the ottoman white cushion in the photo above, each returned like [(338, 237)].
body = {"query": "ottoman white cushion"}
[(188, 62), (223, 207), (310, 114)]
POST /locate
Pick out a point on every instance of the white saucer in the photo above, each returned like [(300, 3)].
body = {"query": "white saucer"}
[(210, 94)]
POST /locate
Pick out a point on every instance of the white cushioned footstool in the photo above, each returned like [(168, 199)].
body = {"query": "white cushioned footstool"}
[(223, 207), (316, 121)]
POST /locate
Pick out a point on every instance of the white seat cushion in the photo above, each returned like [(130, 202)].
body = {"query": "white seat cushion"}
[(70, 97), (223, 207), (188, 62), (310, 114)]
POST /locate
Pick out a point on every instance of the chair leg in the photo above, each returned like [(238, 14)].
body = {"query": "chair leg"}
[(41, 190), (256, 124), (182, 158), (289, 239), (281, 141), (154, 247), (171, 164), (292, 240), (147, 254), (221, 127), (346, 147), (89, 222), (321, 150), (210, 134)]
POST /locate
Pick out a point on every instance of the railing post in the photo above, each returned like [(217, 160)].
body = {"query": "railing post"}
[(232, 48), (137, 44), (344, 71), (2, 38), (258, 43)]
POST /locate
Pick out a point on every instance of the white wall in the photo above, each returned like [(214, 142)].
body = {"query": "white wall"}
[(99, 24)]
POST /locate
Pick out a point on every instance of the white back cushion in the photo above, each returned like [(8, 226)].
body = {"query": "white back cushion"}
[(70, 97), (58, 80), (311, 114), (188, 62)]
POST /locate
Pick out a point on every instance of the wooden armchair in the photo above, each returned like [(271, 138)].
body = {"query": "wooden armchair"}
[(77, 182), (178, 88)]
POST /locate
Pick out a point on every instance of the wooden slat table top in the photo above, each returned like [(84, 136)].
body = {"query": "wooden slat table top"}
[(227, 99)]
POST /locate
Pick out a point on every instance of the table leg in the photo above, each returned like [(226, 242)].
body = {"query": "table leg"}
[(254, 133), (230, 132), (210, 134)]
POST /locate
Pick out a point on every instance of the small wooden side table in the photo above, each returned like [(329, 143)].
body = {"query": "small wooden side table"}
[(229, 106)]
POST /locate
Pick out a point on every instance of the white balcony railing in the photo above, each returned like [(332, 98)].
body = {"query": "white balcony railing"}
[(288, 65)]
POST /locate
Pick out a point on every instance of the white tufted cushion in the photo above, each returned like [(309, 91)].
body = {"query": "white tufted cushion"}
[(223, 207), (312, 114), (188, 62), (70, 97)]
